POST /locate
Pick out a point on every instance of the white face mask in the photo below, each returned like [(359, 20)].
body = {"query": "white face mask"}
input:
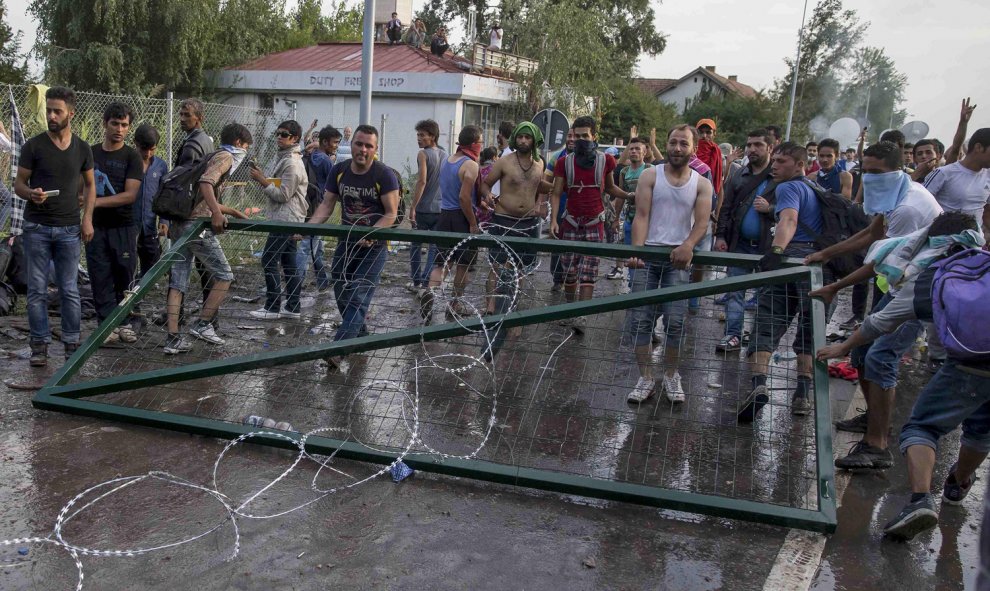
[(237, 153)]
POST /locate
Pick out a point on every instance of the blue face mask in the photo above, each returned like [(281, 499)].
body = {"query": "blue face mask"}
[(882, 192)]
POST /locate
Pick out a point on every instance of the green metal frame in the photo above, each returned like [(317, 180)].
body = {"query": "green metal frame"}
[(58, 394)]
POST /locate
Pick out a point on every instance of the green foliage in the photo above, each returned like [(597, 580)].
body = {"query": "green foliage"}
[(13, 65), (630, 106), (736, 116), (874, 76), (130, 46)]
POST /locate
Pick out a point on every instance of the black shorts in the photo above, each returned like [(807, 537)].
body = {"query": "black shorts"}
[(505, 225), (454, 220)]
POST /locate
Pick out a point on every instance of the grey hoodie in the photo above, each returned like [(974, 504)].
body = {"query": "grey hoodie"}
[(288, 202)]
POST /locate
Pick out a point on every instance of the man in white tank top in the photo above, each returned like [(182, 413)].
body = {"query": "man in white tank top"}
[(673, 203)]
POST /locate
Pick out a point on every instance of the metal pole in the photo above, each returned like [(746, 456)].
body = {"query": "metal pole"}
[(381, 138), (869, 90), (797, 67), (367, 60), (171, 122)]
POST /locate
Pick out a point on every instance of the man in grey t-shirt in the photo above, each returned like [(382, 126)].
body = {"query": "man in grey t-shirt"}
[(425, 210)]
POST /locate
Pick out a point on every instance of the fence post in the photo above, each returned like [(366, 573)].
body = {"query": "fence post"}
[(381, 138), (171, 123)]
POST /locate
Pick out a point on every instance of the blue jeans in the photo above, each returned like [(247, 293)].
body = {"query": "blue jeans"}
[(627, 240), (777, 307), (419, 270), (642, 320), (44, 245), (880, 361), (735, 301), (953, 397), (310, 250), (355, 271), (280, 249)]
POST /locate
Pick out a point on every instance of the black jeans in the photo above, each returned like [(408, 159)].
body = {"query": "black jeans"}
[(111, 258)]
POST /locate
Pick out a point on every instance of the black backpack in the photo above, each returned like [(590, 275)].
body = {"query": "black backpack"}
[(178, 193), (841, 220), (314, 193)]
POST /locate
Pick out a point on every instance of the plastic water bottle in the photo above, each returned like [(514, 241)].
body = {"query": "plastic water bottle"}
[(259, 421), (284, 426)]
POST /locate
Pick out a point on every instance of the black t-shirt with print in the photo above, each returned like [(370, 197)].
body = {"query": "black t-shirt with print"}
[(119, 166), (361, 194), (53, 169)]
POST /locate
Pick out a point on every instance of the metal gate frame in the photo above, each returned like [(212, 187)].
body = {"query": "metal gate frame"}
[(58, 394)]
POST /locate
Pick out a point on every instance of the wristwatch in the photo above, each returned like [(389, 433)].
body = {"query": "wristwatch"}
[(777, 249)]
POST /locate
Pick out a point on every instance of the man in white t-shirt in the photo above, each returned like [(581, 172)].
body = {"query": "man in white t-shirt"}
[(673, 204), (505, 130), (495, 41), (965, 185), (900, 207)]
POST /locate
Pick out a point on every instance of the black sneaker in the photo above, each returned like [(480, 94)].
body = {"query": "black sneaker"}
[(954, 492), (801, 404), (70, 349), (864, 456), (755, 402), (39, 354), (913, 519), (857, 424), (934, 365)]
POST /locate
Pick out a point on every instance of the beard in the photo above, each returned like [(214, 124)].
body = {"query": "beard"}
[(678, 161), (524, 149), (54, 126)]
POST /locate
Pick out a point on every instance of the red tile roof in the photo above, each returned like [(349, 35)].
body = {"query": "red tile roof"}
[(346, 57), (654, 86)]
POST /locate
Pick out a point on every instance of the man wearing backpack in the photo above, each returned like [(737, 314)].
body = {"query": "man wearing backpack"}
[(586, 175), (286, 203), (235, 139), (900, 207), (319, 162), (799, 221), (197, 143), (959, 394)]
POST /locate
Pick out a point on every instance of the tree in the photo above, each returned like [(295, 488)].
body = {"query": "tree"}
[(875, 79), (830, 38), (13, 65), (308, 26), (630, 106), (736, 116), (129, 46)]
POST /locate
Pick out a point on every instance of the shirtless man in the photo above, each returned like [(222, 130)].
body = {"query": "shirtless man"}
[(518, 211)]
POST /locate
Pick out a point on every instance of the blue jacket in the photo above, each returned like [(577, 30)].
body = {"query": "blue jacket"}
[(144, 218)]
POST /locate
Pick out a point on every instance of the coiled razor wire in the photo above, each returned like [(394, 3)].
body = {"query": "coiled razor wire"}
[(454, 364)]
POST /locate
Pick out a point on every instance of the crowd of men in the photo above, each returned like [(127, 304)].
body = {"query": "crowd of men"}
[(767, 199)]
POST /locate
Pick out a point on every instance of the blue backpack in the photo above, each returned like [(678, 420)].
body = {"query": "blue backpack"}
[(960, 292)]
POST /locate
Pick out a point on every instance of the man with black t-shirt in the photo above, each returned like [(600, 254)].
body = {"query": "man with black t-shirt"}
[(111, 256), (48, 178), (368, 192)]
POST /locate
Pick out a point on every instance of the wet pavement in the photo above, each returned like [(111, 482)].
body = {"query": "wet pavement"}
[(435, 532)]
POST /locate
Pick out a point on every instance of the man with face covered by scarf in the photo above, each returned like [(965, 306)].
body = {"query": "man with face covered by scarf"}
[(584, 219), (900, 208)]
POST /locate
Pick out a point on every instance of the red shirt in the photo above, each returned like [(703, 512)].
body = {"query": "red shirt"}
[(584, 199), (813, 168)]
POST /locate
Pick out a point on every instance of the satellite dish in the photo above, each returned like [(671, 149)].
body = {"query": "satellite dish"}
[(914, 131), (845, 131)]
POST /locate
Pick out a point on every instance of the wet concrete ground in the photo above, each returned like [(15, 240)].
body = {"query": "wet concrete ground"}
[(429, 532)]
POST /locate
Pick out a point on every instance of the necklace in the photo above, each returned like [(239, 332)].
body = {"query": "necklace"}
[(525, 170)]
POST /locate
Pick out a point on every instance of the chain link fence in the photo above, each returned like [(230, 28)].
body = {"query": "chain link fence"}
[(162, 113)]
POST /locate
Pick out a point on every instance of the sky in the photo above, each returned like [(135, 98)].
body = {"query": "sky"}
[(941, 46)]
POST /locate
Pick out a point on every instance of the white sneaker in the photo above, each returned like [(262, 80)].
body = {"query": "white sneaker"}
[(642, 391), (177, 345), (263, 314), (206, 332), (283, 313), (412, 287), (672, 387)]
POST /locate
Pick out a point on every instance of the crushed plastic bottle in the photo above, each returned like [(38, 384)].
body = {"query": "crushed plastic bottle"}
[(259, 421)]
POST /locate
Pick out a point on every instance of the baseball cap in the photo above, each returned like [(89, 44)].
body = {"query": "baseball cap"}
[(707, 122), (612, 151)]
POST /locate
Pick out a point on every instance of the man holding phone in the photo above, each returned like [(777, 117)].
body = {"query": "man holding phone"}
[(51, 166)]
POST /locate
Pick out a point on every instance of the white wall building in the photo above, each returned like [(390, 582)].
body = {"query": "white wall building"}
[(681, 92), (324, 82)]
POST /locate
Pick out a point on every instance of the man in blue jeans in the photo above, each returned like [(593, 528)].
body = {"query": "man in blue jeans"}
[(369, 198), (958, 395), (51, 166), (319, 162), (744, 224), (900, 207), (799, 219), (424, 213), (673, 205)]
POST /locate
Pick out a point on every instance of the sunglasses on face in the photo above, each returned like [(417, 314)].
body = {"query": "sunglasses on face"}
[(283, 134)]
